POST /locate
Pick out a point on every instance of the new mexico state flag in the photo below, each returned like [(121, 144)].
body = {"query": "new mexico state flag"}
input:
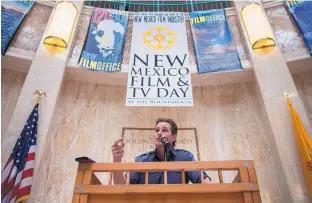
[(304, 144)]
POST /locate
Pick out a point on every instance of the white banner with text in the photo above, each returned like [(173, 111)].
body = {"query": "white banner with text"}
[(159, 71)]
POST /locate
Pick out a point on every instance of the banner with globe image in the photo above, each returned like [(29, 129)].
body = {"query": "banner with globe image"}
[(103, 46), (214, 45)]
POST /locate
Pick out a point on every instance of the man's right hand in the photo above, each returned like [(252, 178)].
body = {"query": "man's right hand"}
[(118, 150)]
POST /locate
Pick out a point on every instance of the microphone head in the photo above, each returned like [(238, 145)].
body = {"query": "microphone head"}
[(165, 141)]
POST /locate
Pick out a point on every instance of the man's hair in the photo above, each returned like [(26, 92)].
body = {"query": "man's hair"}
[(173, 125)]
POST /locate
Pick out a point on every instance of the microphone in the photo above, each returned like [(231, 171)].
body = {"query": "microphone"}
[(165, 142)]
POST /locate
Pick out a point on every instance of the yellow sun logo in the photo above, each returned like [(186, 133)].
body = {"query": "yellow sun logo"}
[(159, 38)]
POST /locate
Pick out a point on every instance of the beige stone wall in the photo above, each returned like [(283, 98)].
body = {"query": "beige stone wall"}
[(303, 83), (11, 86), (88, 118)]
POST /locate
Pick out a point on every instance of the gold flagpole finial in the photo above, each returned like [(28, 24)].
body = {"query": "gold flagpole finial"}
[(39, 94), (286, 95)]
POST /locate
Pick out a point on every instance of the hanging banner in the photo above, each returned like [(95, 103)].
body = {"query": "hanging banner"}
[(302, 13), (12, 15), (159, 73), (214, 45), (103, 48)]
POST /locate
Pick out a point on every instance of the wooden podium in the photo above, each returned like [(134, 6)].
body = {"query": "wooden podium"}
[(244, 189)]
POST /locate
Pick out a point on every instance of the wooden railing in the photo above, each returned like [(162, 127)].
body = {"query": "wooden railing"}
[(245, 183)]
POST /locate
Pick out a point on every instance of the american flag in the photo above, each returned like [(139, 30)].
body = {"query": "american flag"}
[(16, 177)]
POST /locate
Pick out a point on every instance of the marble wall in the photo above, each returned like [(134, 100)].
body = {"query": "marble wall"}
[(285, 30), (89, 117), (303, 82), (30, 32), (11, 86)]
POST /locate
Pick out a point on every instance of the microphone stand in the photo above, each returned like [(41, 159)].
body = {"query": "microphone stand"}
[(166, 144), (166, 153)]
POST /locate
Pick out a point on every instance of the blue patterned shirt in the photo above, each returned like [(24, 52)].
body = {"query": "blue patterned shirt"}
[(174, 177)]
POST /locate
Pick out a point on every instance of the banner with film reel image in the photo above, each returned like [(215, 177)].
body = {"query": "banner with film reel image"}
[(159, 73)]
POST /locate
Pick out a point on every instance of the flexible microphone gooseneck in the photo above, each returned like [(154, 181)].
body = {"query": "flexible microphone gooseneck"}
[(166, 144)]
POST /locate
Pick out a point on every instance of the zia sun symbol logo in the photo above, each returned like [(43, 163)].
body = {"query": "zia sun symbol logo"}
[(159, 38)]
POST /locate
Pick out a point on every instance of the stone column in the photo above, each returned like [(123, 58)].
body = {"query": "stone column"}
[(46, 73), (273, 78)]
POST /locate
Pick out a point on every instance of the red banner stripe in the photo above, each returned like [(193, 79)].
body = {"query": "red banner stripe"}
[(24, 191), (8, 187), (14, 192), (4, 185), (6, 172), (31, 156), (27, 173)]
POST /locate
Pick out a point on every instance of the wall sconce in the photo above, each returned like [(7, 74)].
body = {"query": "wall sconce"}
[(61, 25), (257, 26)]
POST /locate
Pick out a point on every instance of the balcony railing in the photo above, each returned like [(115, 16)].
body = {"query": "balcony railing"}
[(159, 5)]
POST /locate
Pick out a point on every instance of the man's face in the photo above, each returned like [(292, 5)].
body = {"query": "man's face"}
[(163, 129)]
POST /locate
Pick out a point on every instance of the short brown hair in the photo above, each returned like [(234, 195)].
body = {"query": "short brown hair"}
[(173, 125)]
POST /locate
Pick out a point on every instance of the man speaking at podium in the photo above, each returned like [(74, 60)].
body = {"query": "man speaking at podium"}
[(165, 137)]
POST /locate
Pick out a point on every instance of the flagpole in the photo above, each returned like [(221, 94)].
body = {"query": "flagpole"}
[(17, 175)]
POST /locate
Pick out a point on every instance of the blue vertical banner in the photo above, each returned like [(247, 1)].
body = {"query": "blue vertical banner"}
[(12, 15), (214, 45), (103, 48), (302, 14)]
